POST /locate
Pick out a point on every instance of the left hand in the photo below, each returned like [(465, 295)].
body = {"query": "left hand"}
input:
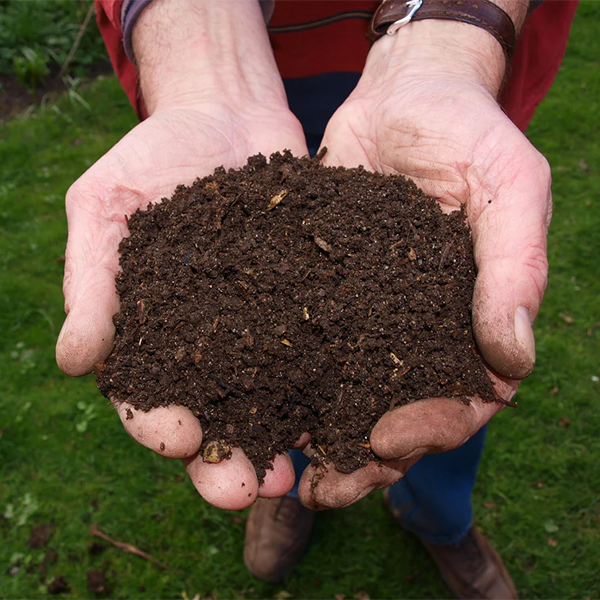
[(438, 123), (214, 97)]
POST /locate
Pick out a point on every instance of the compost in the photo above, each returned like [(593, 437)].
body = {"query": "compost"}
[(287, 297)]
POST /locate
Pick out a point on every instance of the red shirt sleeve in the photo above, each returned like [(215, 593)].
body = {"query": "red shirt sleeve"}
[(540, 50), (108, 17)]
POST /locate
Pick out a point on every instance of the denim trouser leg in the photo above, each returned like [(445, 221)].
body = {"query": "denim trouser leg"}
[(300, 462), (434, 497)]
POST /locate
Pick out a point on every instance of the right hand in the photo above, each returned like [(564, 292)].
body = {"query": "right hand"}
[(173, 146)]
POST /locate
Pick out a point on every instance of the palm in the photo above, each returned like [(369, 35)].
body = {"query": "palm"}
[(170, 148), (452, 140)]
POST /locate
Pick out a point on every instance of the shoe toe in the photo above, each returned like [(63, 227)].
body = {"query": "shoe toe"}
[(277, 536)]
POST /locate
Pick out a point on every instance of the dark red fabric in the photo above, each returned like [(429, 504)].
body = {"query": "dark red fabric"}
[(539, 52), (305, 49), (341, 46), (108, 17)]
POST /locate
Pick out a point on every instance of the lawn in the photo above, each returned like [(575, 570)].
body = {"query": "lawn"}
[(65, 461)]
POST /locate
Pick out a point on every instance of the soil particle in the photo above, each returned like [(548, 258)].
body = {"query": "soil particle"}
[(58, 585), (97, 582), (96, 548), (50, 558), (40, 535), (272, 310)]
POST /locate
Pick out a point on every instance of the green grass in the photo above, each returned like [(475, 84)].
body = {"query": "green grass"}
[(64, 458)]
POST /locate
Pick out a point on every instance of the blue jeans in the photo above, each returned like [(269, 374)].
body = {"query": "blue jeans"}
[(434, 497)]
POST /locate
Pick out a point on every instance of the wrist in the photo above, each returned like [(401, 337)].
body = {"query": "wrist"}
[(190, 52), (441, 46)]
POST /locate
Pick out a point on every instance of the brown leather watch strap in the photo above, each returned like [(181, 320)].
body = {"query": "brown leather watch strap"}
[(481, 13)]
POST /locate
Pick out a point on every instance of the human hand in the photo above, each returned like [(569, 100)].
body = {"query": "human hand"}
[(190, 132), (435, 119)]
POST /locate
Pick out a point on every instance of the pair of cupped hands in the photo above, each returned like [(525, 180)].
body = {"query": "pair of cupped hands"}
[(445, 132)]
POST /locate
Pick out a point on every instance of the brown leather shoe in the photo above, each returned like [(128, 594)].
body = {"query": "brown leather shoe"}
[(473, 569), (277, 535)]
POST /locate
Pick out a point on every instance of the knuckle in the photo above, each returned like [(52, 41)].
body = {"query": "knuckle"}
[(76, 192), (543, 167)]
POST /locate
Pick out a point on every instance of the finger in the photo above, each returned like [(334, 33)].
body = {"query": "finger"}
[(91, 263), (324, 487), (302, 440), (429, 426), (171, 431), (230, 484), (509, 237), (87, 334), (279, 480)]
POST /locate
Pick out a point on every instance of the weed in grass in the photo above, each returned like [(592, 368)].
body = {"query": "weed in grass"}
[(19, 513), (88, 413), (31, 68)]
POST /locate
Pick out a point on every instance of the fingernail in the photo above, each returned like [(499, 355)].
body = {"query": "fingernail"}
[(524, 332)]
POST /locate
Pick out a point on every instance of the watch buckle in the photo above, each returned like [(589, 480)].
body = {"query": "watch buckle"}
[(412, 7)]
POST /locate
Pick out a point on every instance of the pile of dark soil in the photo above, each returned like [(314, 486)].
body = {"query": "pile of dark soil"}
[(288, 297)]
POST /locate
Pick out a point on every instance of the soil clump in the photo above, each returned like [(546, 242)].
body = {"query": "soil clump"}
[(286, 297)]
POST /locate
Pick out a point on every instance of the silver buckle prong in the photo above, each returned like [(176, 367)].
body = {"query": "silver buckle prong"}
[(413, 6)]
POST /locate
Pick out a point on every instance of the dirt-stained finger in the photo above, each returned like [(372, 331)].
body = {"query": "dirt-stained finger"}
[(279, 480), (171, 431), (302, 440), (429, 426), (87, 334), (230, 484), (325, 487)]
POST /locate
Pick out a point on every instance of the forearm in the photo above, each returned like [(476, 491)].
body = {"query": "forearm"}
[(433, 47), (190, 51)]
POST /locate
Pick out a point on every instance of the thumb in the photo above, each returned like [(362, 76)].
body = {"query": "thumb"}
[(509, 238), (91, 263)]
